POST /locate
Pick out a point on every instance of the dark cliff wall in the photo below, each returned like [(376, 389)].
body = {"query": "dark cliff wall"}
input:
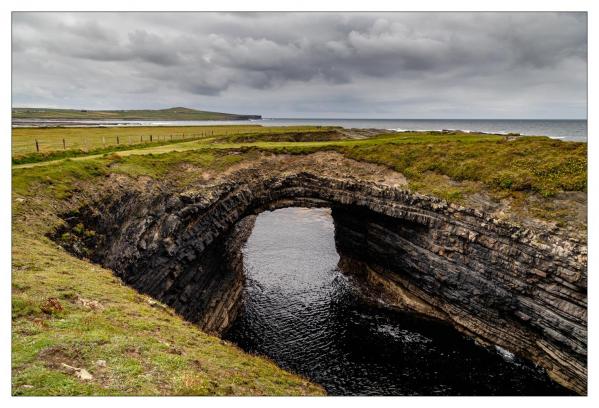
[(496, 290), (520, 289)]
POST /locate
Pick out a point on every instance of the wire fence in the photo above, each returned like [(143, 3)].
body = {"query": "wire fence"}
[(88, 143), (26, 141)]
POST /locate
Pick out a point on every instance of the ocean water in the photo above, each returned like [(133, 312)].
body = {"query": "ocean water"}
[(303, 313), (573, 130)]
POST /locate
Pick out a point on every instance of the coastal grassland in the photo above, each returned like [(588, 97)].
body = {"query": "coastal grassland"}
[(529, 164), (298, 139), (50, 139), (89, 140), (284, 135), (450, 166), (67, 312), (535, 176)]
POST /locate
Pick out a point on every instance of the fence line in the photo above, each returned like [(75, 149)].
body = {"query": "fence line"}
[(82, 143)]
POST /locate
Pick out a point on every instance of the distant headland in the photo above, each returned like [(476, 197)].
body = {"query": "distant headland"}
[(178, 113)]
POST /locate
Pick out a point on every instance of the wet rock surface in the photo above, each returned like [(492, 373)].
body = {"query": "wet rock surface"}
[(521, 289)]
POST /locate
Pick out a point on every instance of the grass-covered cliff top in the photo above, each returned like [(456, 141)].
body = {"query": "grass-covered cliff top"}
[(178, 113), (69, 311), (442, 164)]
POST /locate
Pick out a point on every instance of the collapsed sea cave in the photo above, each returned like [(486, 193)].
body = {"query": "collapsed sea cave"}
[(500, 284)]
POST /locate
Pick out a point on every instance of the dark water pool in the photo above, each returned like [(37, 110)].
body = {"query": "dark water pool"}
[(303, 313)]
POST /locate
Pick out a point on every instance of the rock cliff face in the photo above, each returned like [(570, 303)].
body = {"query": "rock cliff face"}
[(519, 289)]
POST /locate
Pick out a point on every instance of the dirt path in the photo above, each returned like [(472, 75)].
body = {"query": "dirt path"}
[(183, 146)]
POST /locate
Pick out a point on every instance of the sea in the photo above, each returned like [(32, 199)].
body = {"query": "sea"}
[(301, 311), (568, 130)]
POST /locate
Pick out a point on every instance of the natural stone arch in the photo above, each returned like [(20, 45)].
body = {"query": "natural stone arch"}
[(499, 283)]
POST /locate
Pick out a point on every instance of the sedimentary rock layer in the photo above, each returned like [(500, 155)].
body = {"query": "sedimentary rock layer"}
[(520, 289)]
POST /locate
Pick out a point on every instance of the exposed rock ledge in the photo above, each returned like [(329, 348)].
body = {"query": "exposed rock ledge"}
[(524, 290)]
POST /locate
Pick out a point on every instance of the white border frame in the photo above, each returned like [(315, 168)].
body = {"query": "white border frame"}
[(270, 5)]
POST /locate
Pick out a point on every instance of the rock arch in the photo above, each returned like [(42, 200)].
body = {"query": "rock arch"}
[(520, 289)]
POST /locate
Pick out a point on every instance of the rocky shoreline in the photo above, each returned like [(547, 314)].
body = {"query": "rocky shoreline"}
[(522, 289)]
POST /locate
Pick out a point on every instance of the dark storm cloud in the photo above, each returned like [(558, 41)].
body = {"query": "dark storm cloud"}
[(385, 64)]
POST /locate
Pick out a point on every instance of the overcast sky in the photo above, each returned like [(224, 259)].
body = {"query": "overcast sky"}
[(344, 65)]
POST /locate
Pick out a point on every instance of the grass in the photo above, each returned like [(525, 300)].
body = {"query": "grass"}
[(536, 165), (147, 348), (283, 135), (50, 140), (84, 140), (451, 166), (530, 164)]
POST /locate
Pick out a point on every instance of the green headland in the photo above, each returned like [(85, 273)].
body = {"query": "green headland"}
[(178, 113)]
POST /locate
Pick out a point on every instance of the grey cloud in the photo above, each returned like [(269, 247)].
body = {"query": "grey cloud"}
[(407, 63)]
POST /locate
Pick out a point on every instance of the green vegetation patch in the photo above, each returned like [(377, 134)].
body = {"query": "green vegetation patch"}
[(539, 165), (308, 135), (60, 142), (69, 315), (530, 164)]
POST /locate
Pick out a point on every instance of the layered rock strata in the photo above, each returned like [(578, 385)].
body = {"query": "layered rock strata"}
[(519, 289)]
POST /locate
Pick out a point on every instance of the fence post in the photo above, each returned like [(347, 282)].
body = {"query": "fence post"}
[(64, 145), (141, 138), (171, 138), (104, 141), (117, 139), (129, 139), (37, 146), (150, 138)]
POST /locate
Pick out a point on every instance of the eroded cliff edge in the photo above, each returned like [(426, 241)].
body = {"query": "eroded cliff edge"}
[(523, 289)]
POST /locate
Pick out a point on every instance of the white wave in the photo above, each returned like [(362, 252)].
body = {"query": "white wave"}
[(403, 335), (399, 130), (507, 356)]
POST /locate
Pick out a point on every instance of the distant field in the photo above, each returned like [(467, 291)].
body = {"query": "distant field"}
[(145, 114), (90, 138)]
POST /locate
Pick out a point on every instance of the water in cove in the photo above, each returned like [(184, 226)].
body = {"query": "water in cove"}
[(303, 313)]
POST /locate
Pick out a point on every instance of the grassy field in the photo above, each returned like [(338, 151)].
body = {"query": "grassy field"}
[(535, 165), (50, 140), (450, 166), (67, 310), (178, 113)]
